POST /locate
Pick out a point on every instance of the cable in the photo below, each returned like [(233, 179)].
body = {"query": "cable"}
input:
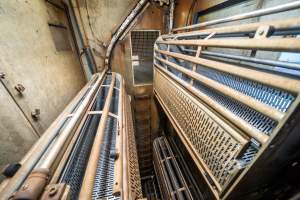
[(90, 24), (190, 11)]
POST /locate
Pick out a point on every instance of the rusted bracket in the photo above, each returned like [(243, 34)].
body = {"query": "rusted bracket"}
[(33, 186), (56, 192)]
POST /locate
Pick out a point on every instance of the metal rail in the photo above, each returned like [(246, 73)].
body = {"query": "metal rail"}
[(60, 130), (204, 82), (171, 180), (91, 169), (93, 157), (257, 13)]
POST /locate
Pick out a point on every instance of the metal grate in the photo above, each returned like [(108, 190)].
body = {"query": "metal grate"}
[(214, 144), (276, 98), (74, 170), (134, 173), (104, 179), (249, 115), (142, 43)]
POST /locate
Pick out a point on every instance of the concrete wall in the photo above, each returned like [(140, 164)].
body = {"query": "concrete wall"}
[(28, 56), (99, 20)]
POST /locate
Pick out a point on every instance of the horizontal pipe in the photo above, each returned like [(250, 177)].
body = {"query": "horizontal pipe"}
[(267, 44), (36, 152), (274, 80), (256, 13), (91, 168), (275, 63), (240, 28)]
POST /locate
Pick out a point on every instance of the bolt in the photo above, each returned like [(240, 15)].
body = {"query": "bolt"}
[(25, 187), (20, 88), (35, 114), (2, 75), (261, 32), (52, 191)]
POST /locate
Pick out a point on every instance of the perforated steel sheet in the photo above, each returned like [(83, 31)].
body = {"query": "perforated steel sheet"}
[(104, 180), (215, 146)]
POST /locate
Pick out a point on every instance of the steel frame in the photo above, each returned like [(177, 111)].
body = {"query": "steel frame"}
[(54, 151), (179, 59)]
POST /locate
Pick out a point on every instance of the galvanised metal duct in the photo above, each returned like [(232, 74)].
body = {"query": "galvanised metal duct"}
[(90, 160), (235, 114)]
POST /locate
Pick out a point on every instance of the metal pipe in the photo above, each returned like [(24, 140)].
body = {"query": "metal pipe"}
[(275, 63), (125, 166), (40, 147), (129, 19), (171, 15), (63, 162), (274, 80), (234, 94), (267, 44), (118, 168), (91, 169), (64, 135), (256, 13), (241, 28)]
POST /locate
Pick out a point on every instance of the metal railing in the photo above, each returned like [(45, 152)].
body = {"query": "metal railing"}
[(226, 93), (84, 154)]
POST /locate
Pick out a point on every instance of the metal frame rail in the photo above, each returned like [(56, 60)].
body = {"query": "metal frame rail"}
[(171, 181), (228, 108), (88, 158), (54, 138)]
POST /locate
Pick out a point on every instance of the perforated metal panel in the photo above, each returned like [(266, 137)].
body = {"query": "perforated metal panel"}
[(214, 144), (134, 173), (104, 180), (276, 98)]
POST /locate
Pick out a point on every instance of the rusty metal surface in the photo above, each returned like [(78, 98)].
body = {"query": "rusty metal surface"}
[(33, 186), (56, 192)]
